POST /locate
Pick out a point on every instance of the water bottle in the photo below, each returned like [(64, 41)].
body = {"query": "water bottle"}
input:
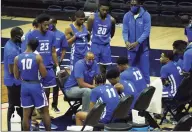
[(15, 121)]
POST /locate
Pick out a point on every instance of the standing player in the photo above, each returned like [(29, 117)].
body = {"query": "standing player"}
[(132, 74), (61, 46), (102, 27), (136, 31), (104, 93), (77, 36), (46, 49), (171, 74), (27, 67), (24, 37), (188, 31)]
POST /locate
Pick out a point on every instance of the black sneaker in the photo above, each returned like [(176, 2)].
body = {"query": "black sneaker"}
[(56, 110)]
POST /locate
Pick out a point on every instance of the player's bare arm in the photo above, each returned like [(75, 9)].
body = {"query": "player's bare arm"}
[(62, 54), (69, 35), (83, 84), (54, 56), (91, 105), (113, 22), (42, 68), (15, 68), (89, 25)]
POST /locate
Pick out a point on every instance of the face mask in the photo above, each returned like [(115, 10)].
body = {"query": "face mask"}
[(18, 39), (135, 9), (89, 63), (51, 27)]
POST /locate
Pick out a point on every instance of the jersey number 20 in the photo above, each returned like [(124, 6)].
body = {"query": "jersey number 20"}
[(101, 31), (27, 63)]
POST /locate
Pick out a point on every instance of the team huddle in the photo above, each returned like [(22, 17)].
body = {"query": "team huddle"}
[(36, 65)]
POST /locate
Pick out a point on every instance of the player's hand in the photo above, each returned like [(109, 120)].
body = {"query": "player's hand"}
[(57, 70), (133, 45), (127, 44), (119, 86)]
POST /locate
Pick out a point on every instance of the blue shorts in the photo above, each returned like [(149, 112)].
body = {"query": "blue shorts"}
[(32, 94), (102, 53), (50, 80)]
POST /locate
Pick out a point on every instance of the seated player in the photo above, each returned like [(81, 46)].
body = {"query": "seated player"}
[(132, 74), (80, 82), (104, 93), (179, 47), (27, 67), (171, 74), (124, 87)]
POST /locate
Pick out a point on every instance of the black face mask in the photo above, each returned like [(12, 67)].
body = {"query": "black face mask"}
[(17, 39)]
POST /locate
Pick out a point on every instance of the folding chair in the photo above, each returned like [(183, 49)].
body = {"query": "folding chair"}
[(94, 115), (184, 124), (181, 98), (74, 103)]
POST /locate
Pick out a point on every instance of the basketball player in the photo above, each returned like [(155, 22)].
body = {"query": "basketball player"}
[(171, 74), (24, 37), (102, 28), (77, 36), (104, 93), (132, 74), (188, 31), (136, 31), (27, 67), (46, 48), (61, 45)]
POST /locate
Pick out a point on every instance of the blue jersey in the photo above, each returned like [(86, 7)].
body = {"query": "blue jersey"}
[(24, 42), (188, 33), (11, 50), (81, 70), (80, 46), (172, 72), (46, 42), (28, 67), (187, 59), (129, 89), (61, 41), (135, 76), (101, 31), (106, 94)]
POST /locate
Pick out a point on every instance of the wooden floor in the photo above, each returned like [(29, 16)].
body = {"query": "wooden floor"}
[(160, 38)]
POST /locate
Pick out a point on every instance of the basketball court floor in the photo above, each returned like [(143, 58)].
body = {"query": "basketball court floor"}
[(160, 38)]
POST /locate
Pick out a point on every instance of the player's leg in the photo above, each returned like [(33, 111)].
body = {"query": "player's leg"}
[(80, 117), (144, 66), (14, 93), (41, 103), (96, 51), (26, 118), (131, 55), (105, 59), (84, 93)]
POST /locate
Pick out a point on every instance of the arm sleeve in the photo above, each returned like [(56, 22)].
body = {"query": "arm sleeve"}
[(78, 70), (64, 43), (94, 96), (187, 62), (125, 31), (163, 73), (147, 28)]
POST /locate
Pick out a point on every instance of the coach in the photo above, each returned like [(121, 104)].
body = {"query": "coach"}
[(11, 50), (136, 31)]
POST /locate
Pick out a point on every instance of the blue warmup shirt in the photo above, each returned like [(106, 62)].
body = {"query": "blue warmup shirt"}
[(81, 70), (137, 29), (187, 59), (11, 50), (188, 33)]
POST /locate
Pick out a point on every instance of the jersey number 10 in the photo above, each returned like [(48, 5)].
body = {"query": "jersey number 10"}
[(27, 63)]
